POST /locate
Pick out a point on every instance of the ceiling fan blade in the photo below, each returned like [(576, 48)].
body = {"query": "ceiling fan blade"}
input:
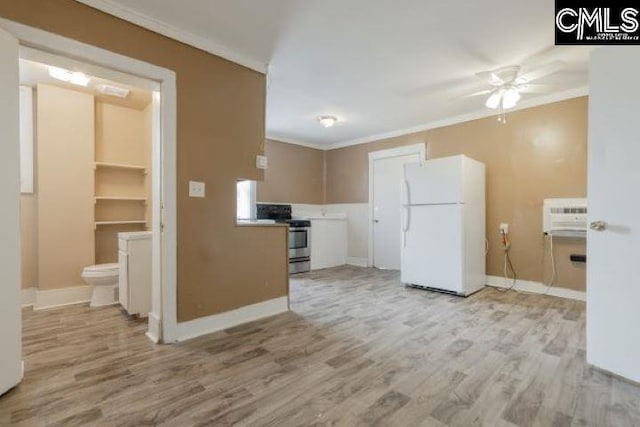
[(490, 77), (500, 76), (540, 72), (534, 88), (479, 93)]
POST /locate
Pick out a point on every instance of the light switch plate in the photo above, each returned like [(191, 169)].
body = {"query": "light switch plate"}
[(261, 162), (196, 189)]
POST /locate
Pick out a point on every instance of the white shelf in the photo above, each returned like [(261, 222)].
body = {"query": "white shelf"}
[(106, 165), (137, 221), (122, 199)]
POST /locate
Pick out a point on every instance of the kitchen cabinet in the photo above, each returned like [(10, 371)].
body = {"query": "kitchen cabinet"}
[(328, 242)]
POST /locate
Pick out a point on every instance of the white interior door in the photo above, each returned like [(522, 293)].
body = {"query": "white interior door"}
[(10, 315), (388, 179), (613, 261)]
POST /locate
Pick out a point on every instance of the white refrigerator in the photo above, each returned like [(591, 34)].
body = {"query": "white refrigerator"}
[(443, 245)]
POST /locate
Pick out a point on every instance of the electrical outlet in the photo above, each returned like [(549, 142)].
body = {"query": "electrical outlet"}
[(261, 162), (196, 189), (504, 228)]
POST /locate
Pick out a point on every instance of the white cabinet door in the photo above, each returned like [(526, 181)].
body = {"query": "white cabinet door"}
[(10, 315), (123, 282), (139, 277), (613, 253), (328, 243), (432, 250)]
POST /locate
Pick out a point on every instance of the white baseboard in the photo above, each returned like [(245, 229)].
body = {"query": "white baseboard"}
[(537, 288), (357, 261), (59, 297), (153, 329), (28, 297), (219, 322)]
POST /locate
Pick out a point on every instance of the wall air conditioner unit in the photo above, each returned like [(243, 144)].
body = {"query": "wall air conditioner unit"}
[(565, 217)]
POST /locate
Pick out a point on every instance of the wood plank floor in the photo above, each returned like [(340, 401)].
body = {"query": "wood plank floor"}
[(357, 349)]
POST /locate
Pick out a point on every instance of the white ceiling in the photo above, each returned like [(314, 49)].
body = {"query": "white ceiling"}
[(33, 73), (380, 66)]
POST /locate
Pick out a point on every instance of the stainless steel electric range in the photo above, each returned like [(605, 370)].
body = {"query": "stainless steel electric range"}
[(299, 234)]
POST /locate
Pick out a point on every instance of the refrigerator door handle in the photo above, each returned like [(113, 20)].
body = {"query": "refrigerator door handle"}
[(406, 223), (405, 194)]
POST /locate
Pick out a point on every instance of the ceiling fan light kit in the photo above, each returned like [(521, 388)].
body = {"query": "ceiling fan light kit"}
[(508, 84)]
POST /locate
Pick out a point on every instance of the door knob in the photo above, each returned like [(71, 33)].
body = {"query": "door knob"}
[(598, 225), (376, 221)]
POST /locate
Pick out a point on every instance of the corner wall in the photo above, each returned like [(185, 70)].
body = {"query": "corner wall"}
[(220, 129), (539, 153)]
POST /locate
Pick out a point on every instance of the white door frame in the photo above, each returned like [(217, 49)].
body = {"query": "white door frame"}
[(420, 149), (163, 318)]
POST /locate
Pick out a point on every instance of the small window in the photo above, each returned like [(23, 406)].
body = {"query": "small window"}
[(246, 200)]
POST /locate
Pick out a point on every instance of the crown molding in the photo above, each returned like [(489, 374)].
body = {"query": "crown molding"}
[(160, 27), (276, 138), (475, 115)]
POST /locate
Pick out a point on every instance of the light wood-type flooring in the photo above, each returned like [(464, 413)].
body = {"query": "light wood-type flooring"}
[(357, 349)]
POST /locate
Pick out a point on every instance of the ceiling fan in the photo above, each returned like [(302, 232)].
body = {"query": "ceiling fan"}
[(508, 84)]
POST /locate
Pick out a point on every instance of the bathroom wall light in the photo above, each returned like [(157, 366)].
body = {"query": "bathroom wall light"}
[(327, 121), (119, 92), (73, 77)]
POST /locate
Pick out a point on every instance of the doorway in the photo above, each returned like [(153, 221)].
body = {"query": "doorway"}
[(86, 174), (386, 178), (17, 40)]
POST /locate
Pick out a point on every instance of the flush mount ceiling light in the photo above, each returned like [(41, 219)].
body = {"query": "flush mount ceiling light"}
[(113, 90), (73, 77), (327, 121)]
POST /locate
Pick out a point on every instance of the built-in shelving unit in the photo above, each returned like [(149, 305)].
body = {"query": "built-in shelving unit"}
[(122, 166), (135, 221), (121, 199)]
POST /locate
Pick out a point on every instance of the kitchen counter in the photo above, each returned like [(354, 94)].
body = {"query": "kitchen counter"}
[(259, 223), (329, 216)]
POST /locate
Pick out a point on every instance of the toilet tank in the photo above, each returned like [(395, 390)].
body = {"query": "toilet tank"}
[(135, 260)]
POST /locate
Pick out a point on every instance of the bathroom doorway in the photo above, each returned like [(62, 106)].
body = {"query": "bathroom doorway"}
[(86, 144), (15, 40)]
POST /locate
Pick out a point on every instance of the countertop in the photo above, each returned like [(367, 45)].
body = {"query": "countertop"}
[(329, 216), (259, 223)]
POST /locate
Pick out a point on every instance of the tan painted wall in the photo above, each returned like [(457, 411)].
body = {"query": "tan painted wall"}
[(221, 109), (65, 140), (295, 174), (122, 136), (539, 153)]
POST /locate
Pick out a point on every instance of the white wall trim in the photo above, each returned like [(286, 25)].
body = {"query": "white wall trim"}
[(52, 298), (357, 261), (475, 115), (166, 284), (28, 296), (154, 332), (453, 120), (175, 33), (420, 149), (219, 322), (276, 138), (537, 288)]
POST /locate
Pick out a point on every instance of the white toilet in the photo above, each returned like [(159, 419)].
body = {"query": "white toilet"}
[(104, 280)]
